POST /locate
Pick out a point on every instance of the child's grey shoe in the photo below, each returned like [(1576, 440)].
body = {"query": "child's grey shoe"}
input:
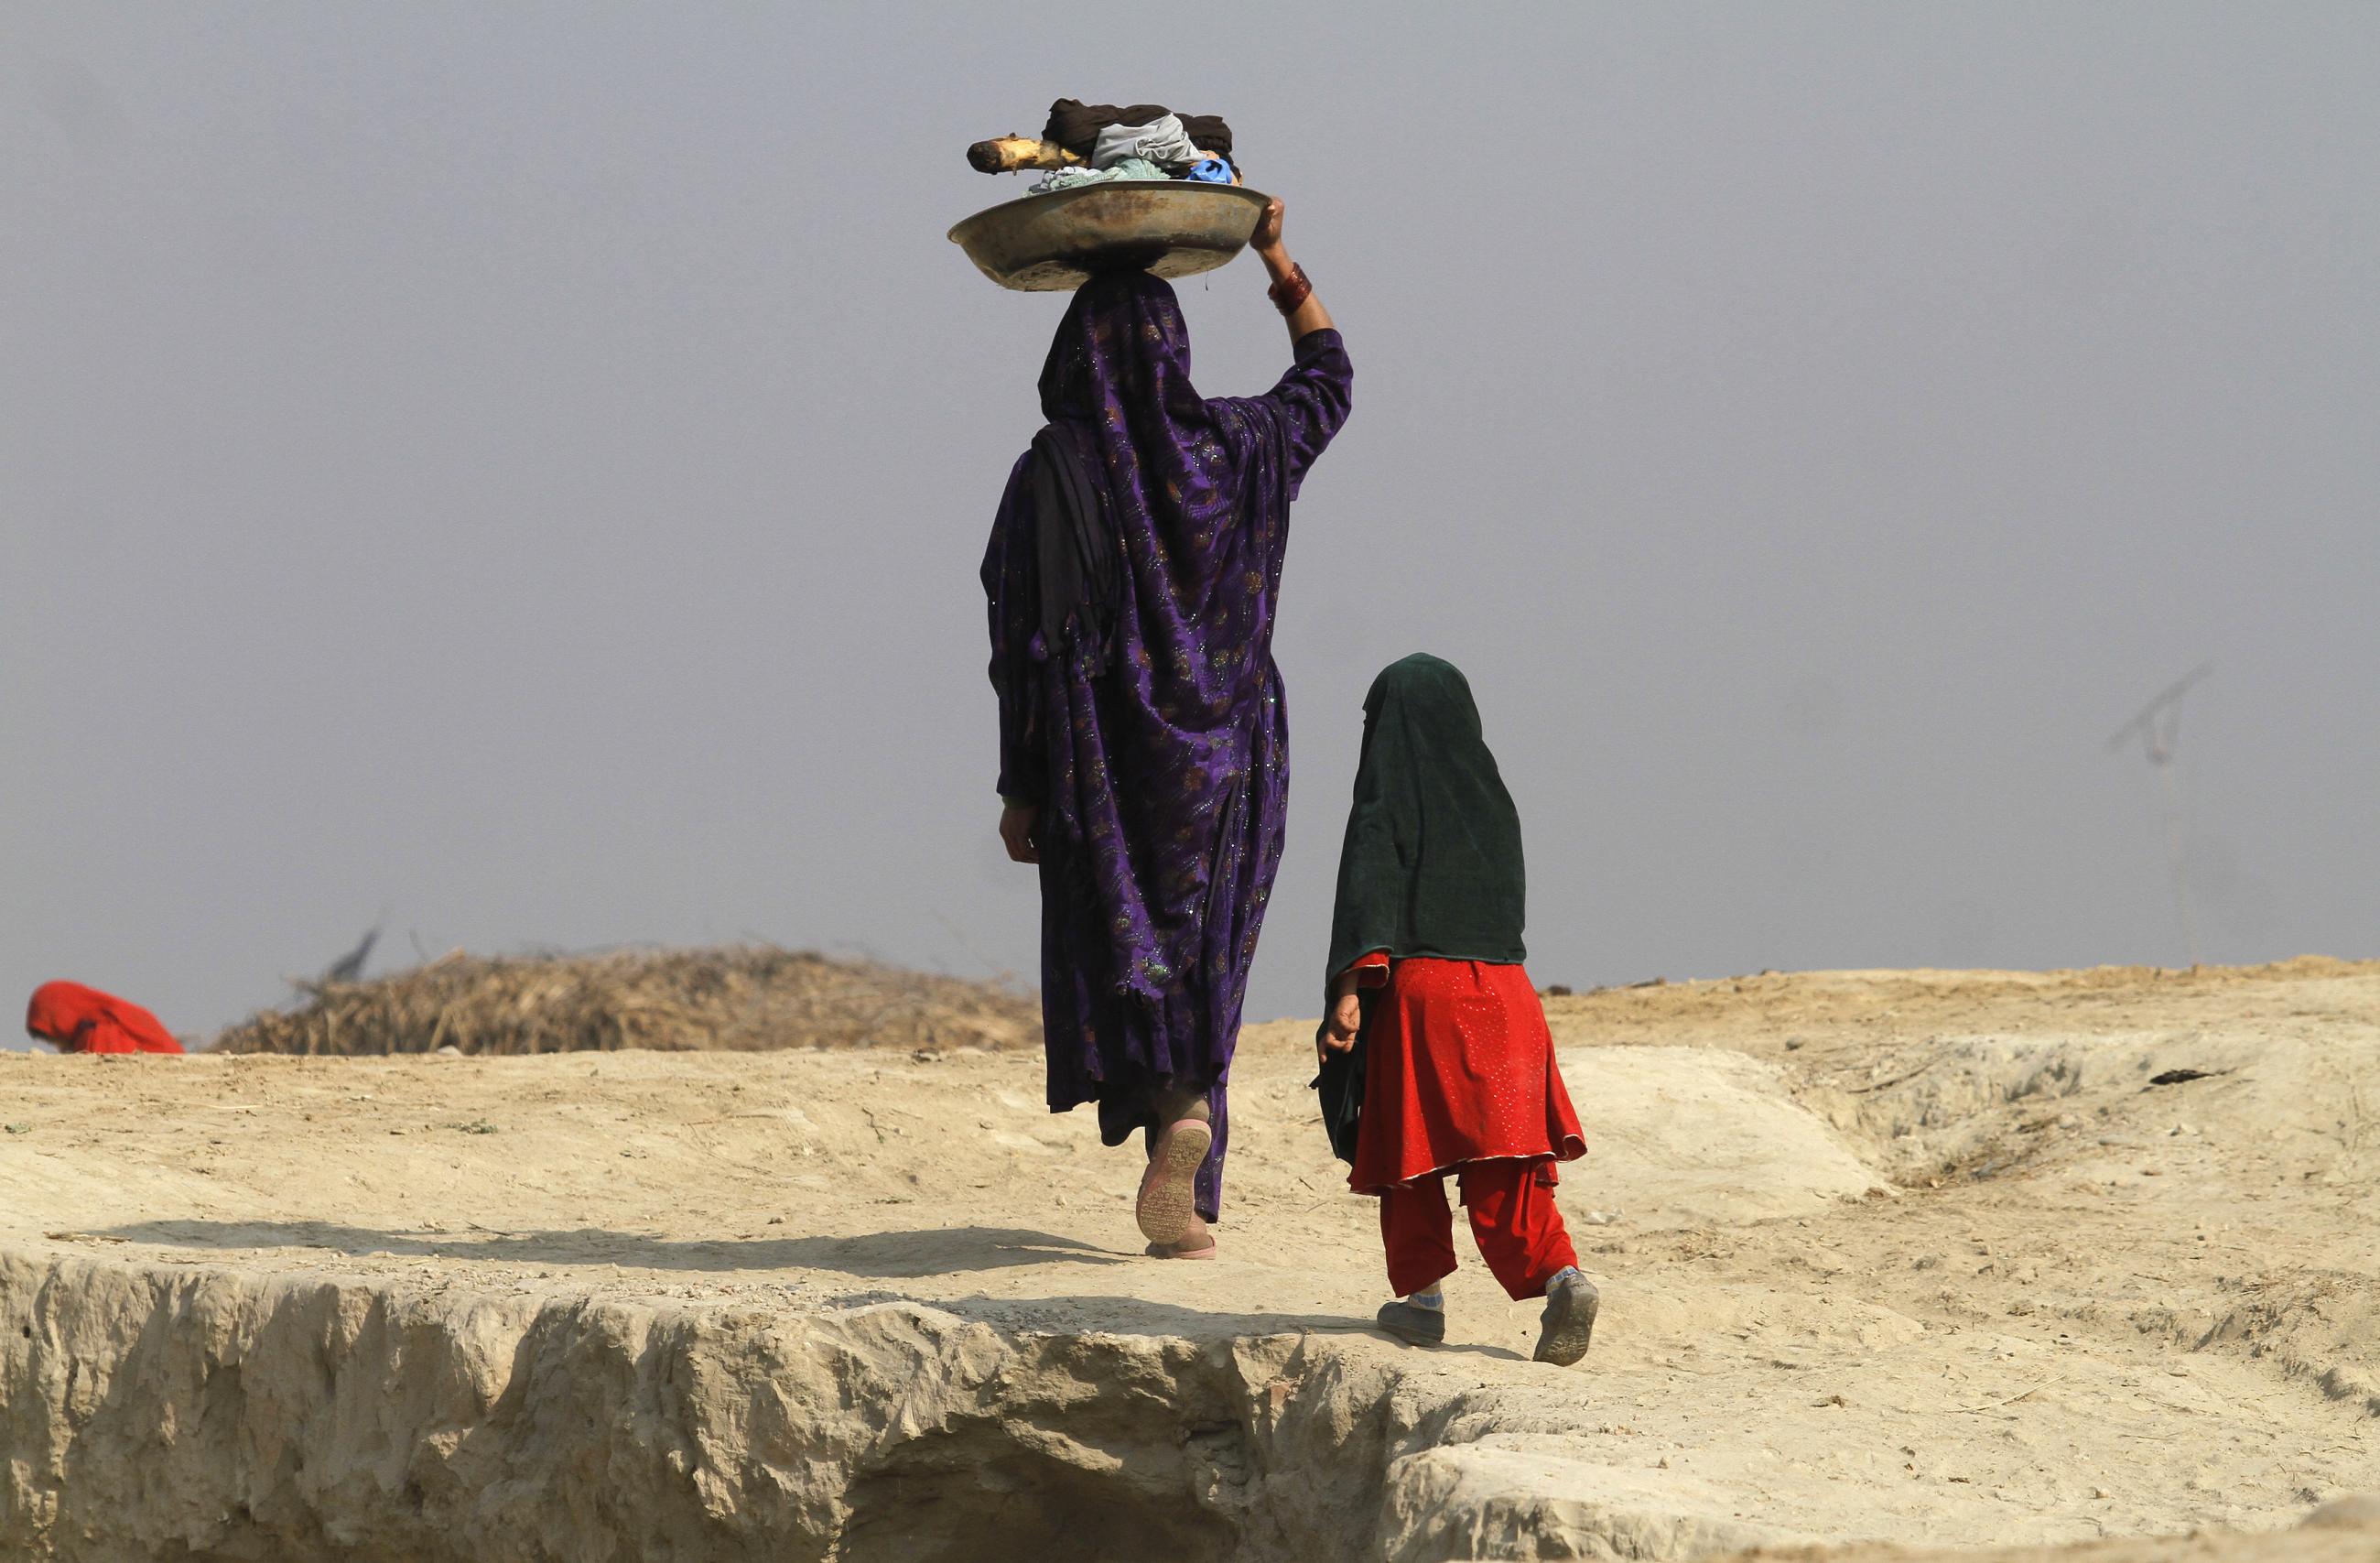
[(1414, 1327), (1568, 1323)]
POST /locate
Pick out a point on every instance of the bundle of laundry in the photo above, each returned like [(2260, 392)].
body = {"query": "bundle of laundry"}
[(1078, 127), (1099, 142)]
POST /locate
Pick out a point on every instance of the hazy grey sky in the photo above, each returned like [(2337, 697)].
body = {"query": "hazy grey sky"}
[(525, 466)]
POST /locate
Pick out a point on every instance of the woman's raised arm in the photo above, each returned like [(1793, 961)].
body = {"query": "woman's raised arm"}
[(1311, 398), (1292, 294)]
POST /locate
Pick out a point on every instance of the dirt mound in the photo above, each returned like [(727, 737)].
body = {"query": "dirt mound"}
[(742, 998)]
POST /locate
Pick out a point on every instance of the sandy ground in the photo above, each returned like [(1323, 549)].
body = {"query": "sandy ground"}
[(1905, 1257)]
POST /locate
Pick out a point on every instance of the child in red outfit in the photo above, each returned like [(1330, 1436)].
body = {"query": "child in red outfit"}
[(1425, 975)]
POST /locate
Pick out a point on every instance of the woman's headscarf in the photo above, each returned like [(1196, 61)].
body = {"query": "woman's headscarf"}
[(81, 1019), (1206, 482), (1432, 861), (1123, 334)]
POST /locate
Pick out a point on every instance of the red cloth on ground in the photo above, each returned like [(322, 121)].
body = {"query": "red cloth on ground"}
[(1513, 1220), (81, 1019), (1459, 1069)]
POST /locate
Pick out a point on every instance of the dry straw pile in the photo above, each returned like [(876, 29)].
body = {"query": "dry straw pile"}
[(745, 998)]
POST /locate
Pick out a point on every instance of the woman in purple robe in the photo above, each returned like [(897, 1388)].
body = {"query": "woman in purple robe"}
[(1132, 572)]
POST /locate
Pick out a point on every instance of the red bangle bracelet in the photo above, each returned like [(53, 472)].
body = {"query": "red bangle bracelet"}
[(1290, 291)]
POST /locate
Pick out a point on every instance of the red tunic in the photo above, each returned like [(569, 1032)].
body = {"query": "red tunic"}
[(81, 1019), (1459, 1066)]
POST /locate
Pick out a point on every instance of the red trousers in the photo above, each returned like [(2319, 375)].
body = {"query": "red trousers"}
[(1513, 1220)]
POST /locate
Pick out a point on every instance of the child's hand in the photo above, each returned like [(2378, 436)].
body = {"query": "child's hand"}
[(1346, 1020)]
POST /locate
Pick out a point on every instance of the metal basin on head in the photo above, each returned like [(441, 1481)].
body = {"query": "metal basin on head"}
[(1053, 243)]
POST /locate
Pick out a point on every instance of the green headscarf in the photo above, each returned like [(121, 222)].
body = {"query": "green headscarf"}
[(1432, 861)]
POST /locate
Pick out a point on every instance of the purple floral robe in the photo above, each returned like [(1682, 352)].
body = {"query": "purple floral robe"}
[(1161, 760)]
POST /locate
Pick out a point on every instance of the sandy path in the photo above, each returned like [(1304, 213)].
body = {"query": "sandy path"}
[(1909, 1257)]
